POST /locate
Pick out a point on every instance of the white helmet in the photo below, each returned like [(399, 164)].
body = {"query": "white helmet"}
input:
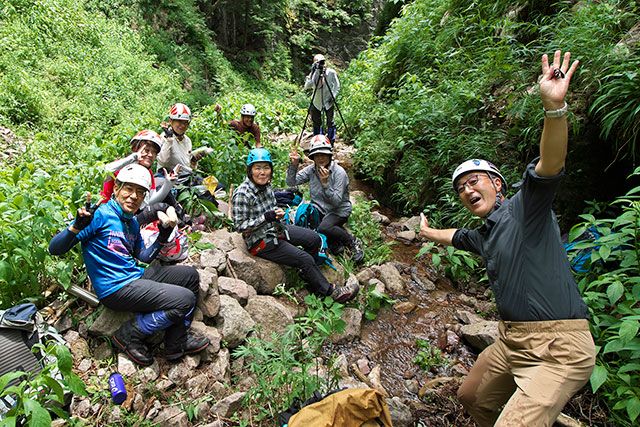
[(180, 111), (146, 135), (320, 144), (248, 110), (135, 174), (477, 165), (319, 57)]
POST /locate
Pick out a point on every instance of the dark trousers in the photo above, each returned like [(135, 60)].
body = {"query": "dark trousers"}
[(316, 118), (287, 253), (164, 299), (331, 226)]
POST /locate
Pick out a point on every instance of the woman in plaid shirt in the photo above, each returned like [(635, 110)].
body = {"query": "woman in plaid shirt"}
[(257, 217)]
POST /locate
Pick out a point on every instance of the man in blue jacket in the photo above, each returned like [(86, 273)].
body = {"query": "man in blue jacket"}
[(163, 297)]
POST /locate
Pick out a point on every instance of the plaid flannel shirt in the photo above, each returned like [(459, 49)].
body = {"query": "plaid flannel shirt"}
[(249, 205)]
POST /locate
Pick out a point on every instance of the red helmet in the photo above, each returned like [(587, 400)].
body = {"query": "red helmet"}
[(146, 135), (180, 112), (320, 144)]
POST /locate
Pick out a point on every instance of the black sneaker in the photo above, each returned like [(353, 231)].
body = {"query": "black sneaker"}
[(347, 292), (193, 344)]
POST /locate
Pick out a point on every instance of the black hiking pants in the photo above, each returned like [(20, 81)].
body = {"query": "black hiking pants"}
[(316, 119), (165, 298), (287, 253), (331, 225)]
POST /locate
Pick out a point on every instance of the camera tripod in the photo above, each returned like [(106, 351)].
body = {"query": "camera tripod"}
[(320, 68)]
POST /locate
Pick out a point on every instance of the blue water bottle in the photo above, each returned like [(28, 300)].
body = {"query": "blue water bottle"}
[(117, 388)]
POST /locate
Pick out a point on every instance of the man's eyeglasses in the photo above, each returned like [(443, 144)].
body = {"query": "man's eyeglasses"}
[(471, 182)]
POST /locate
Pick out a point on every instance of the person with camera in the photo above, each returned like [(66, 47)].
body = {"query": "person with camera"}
[(257, 217), (329, 189), (163, 297), (544, 352), (326, 86)]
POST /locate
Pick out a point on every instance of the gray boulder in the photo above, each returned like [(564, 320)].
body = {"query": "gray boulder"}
[(229, 405), (235, 288), (221, 239), (233, 321), (214, 258), (391, 278), (269, 314), (108, 322), (261, 274), (481, 334), (172, 416), (353, 320), (400, 412)]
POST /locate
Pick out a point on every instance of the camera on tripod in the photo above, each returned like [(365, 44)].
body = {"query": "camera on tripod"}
[(319, 65)]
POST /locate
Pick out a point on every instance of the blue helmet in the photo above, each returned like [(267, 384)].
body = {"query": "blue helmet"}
[(259, 155)]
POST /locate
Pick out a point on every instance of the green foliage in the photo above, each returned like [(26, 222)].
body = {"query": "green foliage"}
[(611, 289), (285, 366), (366, 228), (39, 394), (374, 301), (456, 264), (429, 357), (453, 80)]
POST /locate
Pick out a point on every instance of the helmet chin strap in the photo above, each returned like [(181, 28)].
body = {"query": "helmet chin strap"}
[(499, 197)]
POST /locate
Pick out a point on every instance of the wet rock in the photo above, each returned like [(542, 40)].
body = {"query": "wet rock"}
[(467, 317), (125, 366), (404, 307), (334, 276), (412, 224), (400, 413), (269, 314), (229, 405), (452, 340), (353, 320), (363, 365), (365, 275), (406, 235), (108, 322), (215, 259), (78, 345), (172, 416), (221, 239), (263, 275), (233, 321), (235, 288), (391, 278), (382, 219), (480, 335), (85, 365)]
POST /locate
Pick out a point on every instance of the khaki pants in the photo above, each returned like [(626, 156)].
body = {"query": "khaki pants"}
[(533, 369)]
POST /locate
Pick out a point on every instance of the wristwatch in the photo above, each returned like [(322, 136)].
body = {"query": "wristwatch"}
[(557, 113)]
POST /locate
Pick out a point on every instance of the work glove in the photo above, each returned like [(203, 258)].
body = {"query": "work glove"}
[(168, 221), (82, 221), (270, 216)]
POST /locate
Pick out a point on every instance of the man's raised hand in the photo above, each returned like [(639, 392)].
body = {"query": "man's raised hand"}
[(555, 79), (84, 216)]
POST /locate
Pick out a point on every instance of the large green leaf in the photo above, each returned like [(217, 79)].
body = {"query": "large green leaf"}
[(615, 291), (65, 361), (38, 416), (598, 377), (629, 330), (633, 408)]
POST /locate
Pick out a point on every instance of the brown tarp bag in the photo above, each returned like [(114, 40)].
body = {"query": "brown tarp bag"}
[(355, 407)]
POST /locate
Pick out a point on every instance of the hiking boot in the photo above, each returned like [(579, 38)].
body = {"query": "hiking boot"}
[(193, 344), (357, 253), (337, 250), (346, 292), (130, 340)]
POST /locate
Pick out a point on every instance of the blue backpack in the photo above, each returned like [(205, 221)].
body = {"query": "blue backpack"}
[(307, 216), (581, 259)]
